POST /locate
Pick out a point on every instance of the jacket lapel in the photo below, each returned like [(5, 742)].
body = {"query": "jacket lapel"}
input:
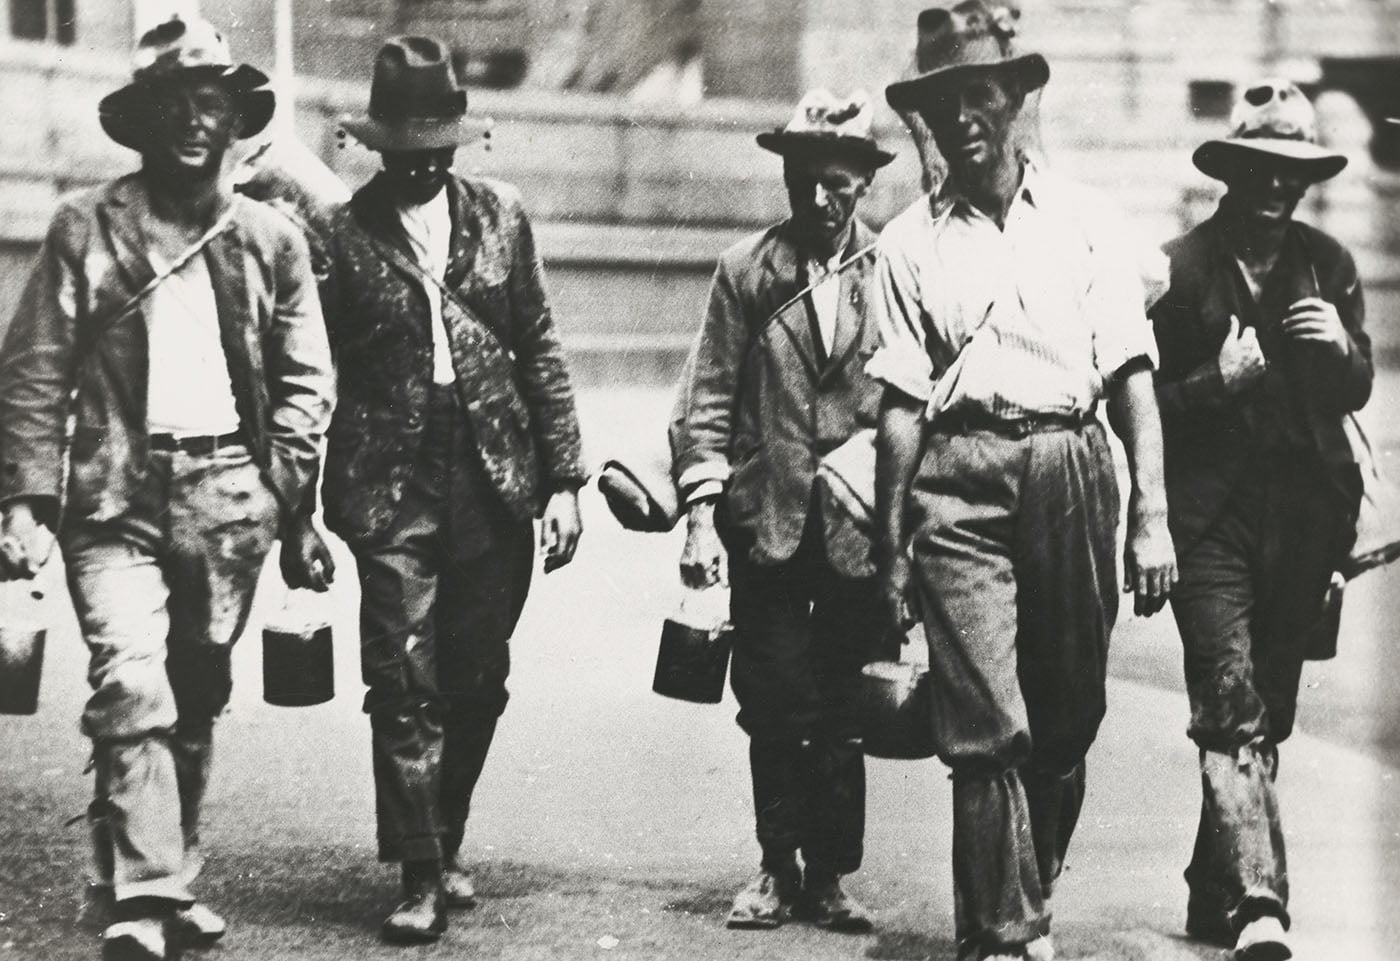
[(781, 283), (466, 236), (227, 258), (850, 305), (119, 220)]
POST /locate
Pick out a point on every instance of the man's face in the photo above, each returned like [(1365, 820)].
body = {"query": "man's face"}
[(823, 194), (195, 122), (1266, 194), (971, 122), (416, 176)]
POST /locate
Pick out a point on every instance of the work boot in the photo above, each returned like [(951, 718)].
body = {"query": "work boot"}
[(420, 918), (1208, 925), (457, 887), (198, 926), (768, 900), (1263, 939), (827, 906)]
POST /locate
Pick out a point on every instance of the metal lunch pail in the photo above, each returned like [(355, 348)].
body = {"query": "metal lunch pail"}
[(21, 647), (896, 710), (298, 655), (692, 661)]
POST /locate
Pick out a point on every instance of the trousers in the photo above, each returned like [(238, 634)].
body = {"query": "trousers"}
[(1013, 547), (437, 611), (161, 595), (1250, 591), (803, 633)]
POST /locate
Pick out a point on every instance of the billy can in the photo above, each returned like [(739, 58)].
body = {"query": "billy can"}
[(298, 655), (693, 659), (896, 710), (22, 637)]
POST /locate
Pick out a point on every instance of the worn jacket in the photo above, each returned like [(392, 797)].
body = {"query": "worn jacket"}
[(1211, 435), (757, 409), (511, 377), (61, 338)]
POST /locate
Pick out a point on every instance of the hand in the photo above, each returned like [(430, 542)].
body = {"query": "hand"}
[(1314, 319), (25, 543), (306, 559), (560, 529), (703, 559), (1149, 564), (895, 593), (1241, 361)]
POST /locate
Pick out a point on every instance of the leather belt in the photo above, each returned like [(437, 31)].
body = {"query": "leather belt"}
[(969, 422), (204, 444)]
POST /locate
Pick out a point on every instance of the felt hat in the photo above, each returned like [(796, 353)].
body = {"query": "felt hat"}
[(1273, 122), (826, 126), (973, 37), (179, 49), (415, 101)]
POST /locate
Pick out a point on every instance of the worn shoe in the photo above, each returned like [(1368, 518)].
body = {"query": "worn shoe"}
[(1263, 939), (1209, 927), (140, 940), (457, 888), (833, 909), (1041, 949), (420, 919), (767, 902), (197, 926)]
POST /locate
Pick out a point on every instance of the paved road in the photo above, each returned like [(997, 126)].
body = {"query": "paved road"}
[(612, 823)]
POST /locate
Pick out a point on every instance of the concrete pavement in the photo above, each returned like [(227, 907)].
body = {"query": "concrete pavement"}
[(612, 823)]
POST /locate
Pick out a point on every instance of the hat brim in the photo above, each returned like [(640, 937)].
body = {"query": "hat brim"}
[(125, 114), (415, 133), (1030, 68), (812, 144), (1221, 158)]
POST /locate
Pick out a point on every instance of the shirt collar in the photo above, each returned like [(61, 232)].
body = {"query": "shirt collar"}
[(949, 199)]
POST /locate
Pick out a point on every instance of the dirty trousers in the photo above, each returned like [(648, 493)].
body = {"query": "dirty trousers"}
[(161, 595), (440, 597), (1250, 592), (803, 633), (1013, 545)]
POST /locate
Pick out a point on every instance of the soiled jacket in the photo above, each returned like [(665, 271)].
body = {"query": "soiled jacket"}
[(755, 408), (61, 338), (1211, 435), (511, 378)]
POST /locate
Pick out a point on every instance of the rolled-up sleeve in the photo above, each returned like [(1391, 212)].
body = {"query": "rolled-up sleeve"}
[(902, 360), (1115, 302)]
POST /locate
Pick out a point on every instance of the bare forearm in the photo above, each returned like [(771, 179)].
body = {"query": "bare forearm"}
[(897, 450), (1134, 416)]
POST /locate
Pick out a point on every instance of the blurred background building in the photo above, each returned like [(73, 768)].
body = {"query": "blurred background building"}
[(629, 124)]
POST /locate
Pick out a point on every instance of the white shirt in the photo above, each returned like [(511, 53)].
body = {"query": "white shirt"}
[(429, 229), (1055, 299), (826, 295), (188, 389)]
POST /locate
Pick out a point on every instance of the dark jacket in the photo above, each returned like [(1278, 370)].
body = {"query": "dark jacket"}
[(512, 382), (273, 338), (756, 408), (1210, 434)]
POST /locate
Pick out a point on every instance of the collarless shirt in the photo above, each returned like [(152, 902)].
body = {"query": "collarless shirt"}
[(826, 294), (1034, 317), (429, 230), (188, 389)]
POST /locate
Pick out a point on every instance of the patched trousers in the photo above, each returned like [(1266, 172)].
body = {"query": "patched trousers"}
[(161, 595), (803, 633), (1250, 593), (440, 596), (1013, 544)]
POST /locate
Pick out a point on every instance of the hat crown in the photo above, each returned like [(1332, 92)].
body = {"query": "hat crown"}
[(414, 80), (970, 33), (822, 113), (179, 44), (1274, 108)]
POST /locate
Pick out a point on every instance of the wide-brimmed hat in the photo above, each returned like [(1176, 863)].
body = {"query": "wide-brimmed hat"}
[(415, 101), (970, 38), (181, 48), (1274, 122), (826, 126)]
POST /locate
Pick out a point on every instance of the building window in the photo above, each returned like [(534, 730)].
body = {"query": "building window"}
[(44, 20)]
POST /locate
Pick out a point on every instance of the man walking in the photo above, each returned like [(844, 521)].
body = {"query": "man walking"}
[(1263, 356), (774, 381), (456, 429), (183, 321), (1009, 306)]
